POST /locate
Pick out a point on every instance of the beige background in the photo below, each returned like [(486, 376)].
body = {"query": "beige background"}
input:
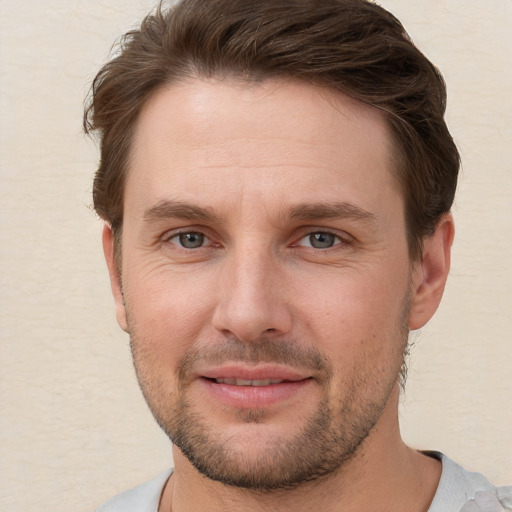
[(73, 427)]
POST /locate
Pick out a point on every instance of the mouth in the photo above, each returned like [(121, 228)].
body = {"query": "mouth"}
[(248, 387), (246, 382), (240, 374)]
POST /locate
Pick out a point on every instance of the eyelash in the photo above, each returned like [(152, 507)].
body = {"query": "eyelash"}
[(179, 234), (339, 239)]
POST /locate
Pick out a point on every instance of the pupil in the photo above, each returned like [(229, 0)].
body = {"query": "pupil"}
[(191, 240), (321, 240)]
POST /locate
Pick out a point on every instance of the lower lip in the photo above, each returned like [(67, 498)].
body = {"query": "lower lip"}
[(254, 397)]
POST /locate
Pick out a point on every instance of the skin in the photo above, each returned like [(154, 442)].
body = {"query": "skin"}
[(250, 169)]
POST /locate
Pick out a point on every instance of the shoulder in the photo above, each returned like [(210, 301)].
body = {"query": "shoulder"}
[(143, 498), (464, 491)]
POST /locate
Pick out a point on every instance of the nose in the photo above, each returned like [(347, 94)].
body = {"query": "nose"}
[(252, 296)]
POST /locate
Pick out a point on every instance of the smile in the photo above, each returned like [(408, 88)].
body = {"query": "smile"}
[(245, 382), (255, 393)]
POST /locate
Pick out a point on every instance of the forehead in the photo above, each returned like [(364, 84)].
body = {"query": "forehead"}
[(238, 136)]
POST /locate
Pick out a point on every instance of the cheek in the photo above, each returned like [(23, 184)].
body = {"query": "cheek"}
[(357, 316), (167, 315)]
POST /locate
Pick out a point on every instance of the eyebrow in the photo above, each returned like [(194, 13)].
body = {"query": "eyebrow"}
[(169, 209), (341, 210)]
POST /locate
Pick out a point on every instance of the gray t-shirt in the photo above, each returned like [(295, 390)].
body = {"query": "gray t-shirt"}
[(458, 491)]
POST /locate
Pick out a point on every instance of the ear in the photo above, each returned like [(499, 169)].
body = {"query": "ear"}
[(430, 273), (115, 277)]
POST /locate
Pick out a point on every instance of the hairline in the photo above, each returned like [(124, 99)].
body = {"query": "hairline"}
[(396, 156)]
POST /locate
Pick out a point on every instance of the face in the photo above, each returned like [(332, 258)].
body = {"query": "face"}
[(266, 284)]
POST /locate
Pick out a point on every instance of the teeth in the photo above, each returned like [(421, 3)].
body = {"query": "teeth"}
[(244, 382)]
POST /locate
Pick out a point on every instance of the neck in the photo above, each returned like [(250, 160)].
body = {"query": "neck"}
[(384, 473)]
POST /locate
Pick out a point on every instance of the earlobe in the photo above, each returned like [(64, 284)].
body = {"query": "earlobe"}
[(430, 274), (115, 277)]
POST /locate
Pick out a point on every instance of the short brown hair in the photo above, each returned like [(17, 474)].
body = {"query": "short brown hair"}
[(353, 46)]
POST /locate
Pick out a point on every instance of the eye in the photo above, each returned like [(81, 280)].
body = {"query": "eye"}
[(320, 240), (189, 240)]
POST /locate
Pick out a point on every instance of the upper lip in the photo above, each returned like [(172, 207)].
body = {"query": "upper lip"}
[(258, 372)]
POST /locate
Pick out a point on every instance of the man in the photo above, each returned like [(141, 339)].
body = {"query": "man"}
[(276, 180)]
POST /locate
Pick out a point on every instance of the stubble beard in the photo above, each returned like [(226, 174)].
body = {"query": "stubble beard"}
[(329, 439)]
